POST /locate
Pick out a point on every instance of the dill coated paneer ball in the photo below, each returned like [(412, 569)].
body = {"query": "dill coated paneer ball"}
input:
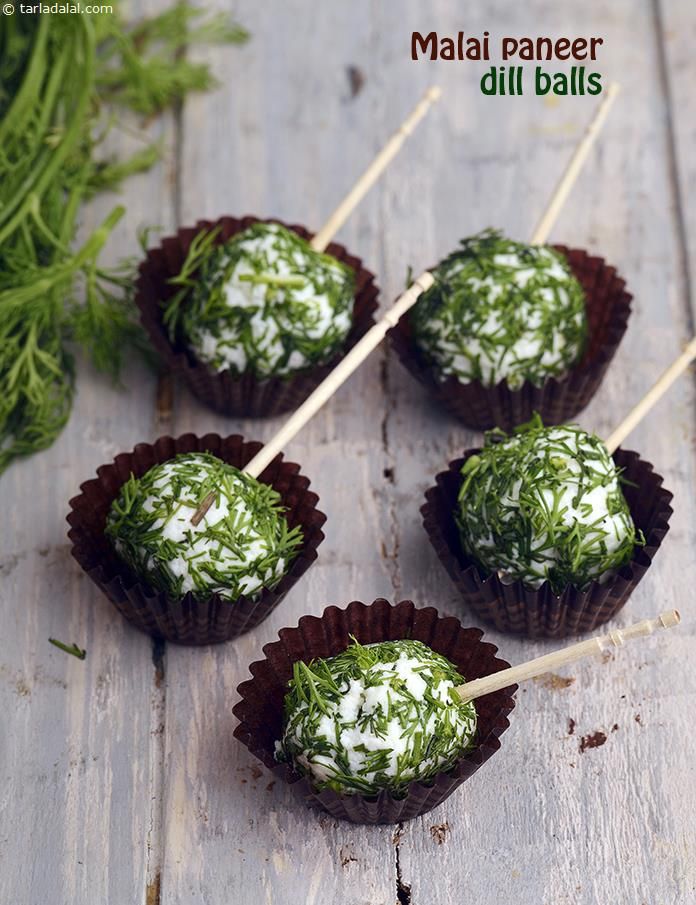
[(265, 303), (501, 309), (242, 544), (374, 717), (545, 504)]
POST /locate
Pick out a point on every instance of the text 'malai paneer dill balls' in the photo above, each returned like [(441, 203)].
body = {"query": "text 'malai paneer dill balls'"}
[(374, 717), (242, 544), (502, 309), (545, 503), (266, 303)]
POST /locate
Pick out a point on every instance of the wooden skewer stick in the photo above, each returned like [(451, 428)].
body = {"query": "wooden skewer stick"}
[(340, 373), (541, 233), (375, 169), (375, 336), (203, 507), (562, 190), (487, 684), (675, 370), (371, 339)]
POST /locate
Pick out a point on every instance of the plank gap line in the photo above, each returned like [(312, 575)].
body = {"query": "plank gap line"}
[(673, 164)]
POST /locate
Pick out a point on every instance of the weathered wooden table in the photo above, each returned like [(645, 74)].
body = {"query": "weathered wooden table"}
[(121, 781)]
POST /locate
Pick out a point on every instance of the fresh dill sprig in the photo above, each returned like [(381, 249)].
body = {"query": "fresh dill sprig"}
[(142, 67), (262, 302), (110, 172), (545, 504), (375, 717), (501, 309), (241, 545), (60, 77)]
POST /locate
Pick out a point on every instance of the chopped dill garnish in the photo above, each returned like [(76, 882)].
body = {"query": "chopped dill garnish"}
[(375, 717), (241, 545), (264, 302), (545, 504), (73, 649), (501, 309)]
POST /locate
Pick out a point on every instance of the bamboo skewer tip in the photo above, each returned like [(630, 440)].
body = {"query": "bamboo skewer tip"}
[(652, 397), (379, 163), (477, 688), (572, 170), (670, 618), (339, 375), (203, 508), (323, 237)]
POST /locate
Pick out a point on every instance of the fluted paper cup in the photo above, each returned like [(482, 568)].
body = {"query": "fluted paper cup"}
[(186, 620), (260, 710), (558, 399), (540, 613), (223, 391)]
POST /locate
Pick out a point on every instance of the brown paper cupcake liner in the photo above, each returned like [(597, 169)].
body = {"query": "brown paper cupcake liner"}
[(260, 710), (558, 399), (241, 396), (186, 620), (520, 610)]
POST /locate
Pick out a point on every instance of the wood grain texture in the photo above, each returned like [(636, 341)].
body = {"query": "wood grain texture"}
[(293, 159), (124, 778), (675, 27), (546, 823), (80, 744)]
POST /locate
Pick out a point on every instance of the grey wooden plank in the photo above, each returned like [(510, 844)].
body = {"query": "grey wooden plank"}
[(289, 146), (676, 27), (614, 823), (541, 822), (80, 751), (624, 806), (503, 165)]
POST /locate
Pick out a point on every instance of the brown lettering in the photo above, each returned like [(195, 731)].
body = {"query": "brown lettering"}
[(562, 48), (579, 49), (447, 49), (509, 48), (427, 44)]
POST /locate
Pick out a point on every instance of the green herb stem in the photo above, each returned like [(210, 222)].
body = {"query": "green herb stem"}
[(270, 279), (58, 73), (72, 649)]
